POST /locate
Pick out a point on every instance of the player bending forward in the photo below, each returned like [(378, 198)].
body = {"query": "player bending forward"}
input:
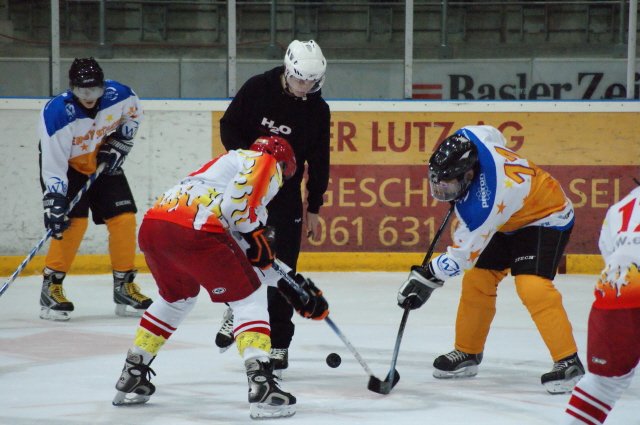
[(196, 234), (613, 341), (513, 215)]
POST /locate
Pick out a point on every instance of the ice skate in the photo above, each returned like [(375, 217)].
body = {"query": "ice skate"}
[(224, 337), (279, 360), (266, 399), (564, 375), (127, 296), (134, 386), (456, 364), (54, 305)]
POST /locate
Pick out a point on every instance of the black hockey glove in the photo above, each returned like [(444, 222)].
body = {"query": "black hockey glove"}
[(417, 289), (315, 308), (260, 254), (55, 214), (117, 146), (113, 152)]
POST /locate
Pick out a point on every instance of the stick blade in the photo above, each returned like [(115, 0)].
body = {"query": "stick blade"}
[(383, 387)]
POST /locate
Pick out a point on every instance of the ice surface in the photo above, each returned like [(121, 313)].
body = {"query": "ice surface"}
[(58, 373)]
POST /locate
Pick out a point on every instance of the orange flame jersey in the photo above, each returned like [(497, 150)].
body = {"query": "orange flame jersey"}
[(623, 295), (619, 283), (229, 192)]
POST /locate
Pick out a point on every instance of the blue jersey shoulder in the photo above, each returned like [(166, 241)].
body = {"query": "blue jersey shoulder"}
[(476, 206), (114, 92), (59, 112)]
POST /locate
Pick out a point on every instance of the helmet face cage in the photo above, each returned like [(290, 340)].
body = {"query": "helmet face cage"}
[(304, 60), (281, 150), (449, 168), (85, 72)]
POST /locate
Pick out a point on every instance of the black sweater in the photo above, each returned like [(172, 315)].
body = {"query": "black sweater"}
[(262, 108)]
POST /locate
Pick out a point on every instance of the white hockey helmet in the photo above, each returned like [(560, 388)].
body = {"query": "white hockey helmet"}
[(304, 60)]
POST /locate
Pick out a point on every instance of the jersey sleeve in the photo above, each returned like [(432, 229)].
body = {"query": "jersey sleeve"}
[(318, 165), (233, 120), (56, 139), (245, 199), (132, 110)]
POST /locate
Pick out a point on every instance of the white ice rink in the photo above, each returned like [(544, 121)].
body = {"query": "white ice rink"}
[(64, 373)]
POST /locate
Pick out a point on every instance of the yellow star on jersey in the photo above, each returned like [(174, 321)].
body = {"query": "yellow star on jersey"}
[(508, 183), (110, 117)]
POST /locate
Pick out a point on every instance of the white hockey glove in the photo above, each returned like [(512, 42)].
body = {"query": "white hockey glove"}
[(417, 289)]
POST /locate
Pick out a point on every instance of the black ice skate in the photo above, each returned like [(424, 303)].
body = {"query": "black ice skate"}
[(134, 386), (456, 364), (266, 399), (54, 305), (564, 375), (224, 337), (127, 293), (279, 360)]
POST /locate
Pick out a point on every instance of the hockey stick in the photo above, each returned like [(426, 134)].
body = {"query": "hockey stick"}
[(388, 383), (374, 383), (34, 251)]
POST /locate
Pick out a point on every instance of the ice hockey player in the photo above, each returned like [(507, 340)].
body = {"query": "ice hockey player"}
[(94, 121), (512, 215), (613, 338), (196, 234), (287, 101)]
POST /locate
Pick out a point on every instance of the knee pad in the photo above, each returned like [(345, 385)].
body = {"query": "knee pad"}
[(479, 286), (122, 241), (62, 252), (537, 293)]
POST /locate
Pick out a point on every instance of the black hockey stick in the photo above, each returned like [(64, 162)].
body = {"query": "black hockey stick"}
[(374, 383), (41, 242), (389, 382)]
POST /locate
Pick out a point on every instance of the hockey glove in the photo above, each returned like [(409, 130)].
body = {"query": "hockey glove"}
[(260, 254), (55, 214), (315, 308), (417, 289), (117, 146)]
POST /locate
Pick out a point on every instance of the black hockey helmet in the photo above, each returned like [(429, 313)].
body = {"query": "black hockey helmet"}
[(449, 166), (85, 72)]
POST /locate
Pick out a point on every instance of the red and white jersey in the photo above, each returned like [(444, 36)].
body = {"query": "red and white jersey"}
[(507, 193), (619, 283), (70, 136), (230, 192)]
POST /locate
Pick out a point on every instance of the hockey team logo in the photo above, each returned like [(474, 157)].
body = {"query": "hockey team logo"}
[(483, 193), (448, 265), (71, 111), (275, 129), (56, 185), (110, 93), (219, 291)]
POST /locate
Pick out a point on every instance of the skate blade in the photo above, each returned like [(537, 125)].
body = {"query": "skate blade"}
[(562, 387), (124, 310), (463, 372), (55, 315), (267, 411), (126, 399)]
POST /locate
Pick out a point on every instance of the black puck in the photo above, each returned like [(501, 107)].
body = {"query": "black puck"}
[(333, 360)]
